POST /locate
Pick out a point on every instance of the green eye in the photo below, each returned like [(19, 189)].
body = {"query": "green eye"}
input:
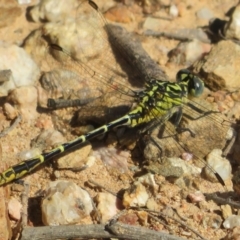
[(194, 84)]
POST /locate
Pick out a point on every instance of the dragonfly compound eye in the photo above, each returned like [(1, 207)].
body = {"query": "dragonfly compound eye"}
[(195, 86)]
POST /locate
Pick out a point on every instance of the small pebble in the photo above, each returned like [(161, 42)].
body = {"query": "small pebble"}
[(65, 203), (231, 222), (173, 10), (143, 218), (10, 111), (196, 197), (234, 111), (236, 95), (226, 211), (135, 196), (219, 164), (14, 209), (187, 156), (204, 13), (152, 204), (107, 205)]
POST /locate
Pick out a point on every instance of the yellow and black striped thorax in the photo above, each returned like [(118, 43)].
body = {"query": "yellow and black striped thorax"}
[(162, 98)]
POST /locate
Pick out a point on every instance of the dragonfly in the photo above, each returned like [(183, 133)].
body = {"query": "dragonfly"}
[(157, 103)]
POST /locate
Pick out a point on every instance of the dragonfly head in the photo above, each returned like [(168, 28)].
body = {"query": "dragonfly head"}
[(194, 84)]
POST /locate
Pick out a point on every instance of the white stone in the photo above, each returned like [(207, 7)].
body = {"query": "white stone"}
[(173, 10), (220, 164), (65, 203), (25, 72), (231, 222)]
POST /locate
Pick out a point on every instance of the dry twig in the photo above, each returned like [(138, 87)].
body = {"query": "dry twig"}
[(115, 230)]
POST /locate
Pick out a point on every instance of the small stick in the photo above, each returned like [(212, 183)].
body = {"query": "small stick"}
[(116, 230), (221, 200), (138, 232)]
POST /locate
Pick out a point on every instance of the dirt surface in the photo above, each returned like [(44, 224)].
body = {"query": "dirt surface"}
[(173, 200)]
